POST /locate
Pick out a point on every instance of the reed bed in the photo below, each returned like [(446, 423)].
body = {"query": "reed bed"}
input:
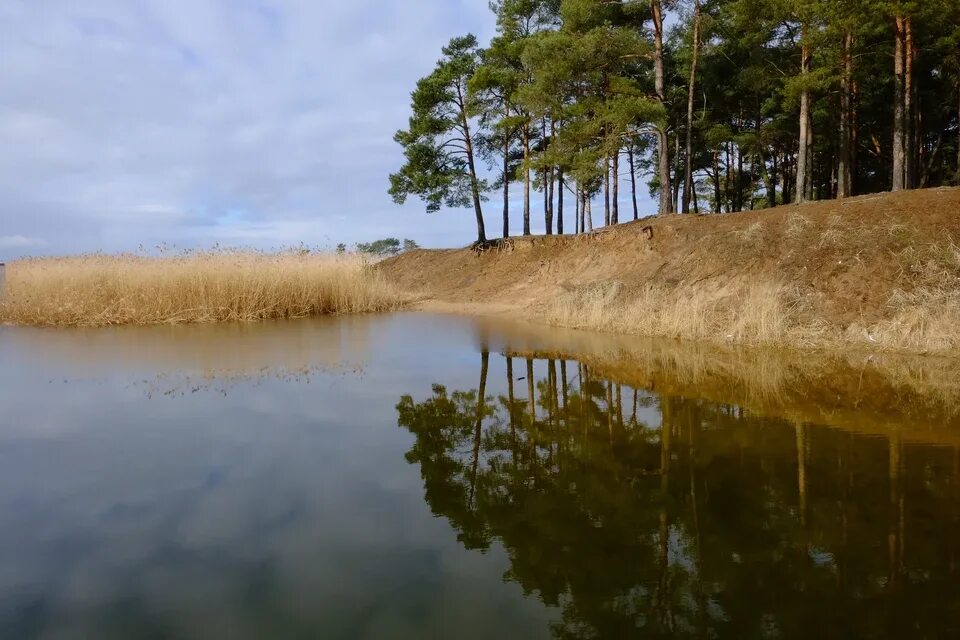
[(219, 286)]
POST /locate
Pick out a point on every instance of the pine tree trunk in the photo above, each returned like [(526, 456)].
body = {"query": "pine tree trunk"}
[(727, 187), (811, 175), (615, 214), (471, 165), (899, 117), (663, 171), (909, 92), (663, 140), (787, 177), (738, 194), (677, 177), (606, 191), (588, 205), (565, 387), (760, 160), (478, 432), (696, 203), (581, 206), (511, 401), (576, 211), (560, 201), (550, 201), (552, 171), (506, 185), (834, 178), (844, 170), (583, 212), (474, 182), (526, 180), (633, 183), (769, 179), (717, 196), (804, 159), (774, 176), (547, 208), (691, 87), (854, 134), (925, 155), (531, 397)]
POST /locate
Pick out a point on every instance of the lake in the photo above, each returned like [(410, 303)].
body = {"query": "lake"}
[(431, 476)]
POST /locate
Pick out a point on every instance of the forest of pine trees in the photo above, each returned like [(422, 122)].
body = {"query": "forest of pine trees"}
[(712, 105)]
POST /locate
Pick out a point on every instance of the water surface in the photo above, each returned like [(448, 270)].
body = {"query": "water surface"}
[(413, 476)]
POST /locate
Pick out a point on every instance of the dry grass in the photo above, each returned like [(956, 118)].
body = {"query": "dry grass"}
[(923, 312), (97, 290), (741, 311), (921, 319), (924, 319), (915, 306), (796, 227)]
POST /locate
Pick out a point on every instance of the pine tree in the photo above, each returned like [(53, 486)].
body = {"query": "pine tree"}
[(438, 146)]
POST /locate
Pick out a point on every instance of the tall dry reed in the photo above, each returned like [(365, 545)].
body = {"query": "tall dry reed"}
[(96, 290)]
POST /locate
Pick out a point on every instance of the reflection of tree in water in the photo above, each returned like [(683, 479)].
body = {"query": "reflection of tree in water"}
[(712, 523)]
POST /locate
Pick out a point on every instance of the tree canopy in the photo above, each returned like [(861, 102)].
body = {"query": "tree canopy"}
[(385, 246), (438, 146), (736, 104)]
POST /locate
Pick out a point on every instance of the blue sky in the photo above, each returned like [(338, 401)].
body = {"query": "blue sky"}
[(266, 123)]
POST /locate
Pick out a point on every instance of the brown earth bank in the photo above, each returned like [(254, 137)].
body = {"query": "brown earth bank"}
[(880, 272)]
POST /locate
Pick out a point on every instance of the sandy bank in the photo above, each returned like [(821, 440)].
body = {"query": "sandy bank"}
[(880, 272)]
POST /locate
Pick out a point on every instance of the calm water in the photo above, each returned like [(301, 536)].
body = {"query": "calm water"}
[(418, 476)]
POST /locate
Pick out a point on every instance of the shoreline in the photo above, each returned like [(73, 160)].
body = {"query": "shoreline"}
[(519, 314)]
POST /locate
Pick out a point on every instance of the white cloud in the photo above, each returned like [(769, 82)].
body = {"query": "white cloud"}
[(128, 122), (19, 242)]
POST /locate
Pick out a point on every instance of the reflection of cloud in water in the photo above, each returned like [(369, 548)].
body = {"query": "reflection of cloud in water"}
[(283, 509)]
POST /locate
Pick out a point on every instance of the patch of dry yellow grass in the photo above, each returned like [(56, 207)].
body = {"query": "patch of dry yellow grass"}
[(96, 290), (740, 311), (921, 315), (925, 320)]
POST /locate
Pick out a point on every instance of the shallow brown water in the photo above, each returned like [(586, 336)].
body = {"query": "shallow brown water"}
[(413, 476)]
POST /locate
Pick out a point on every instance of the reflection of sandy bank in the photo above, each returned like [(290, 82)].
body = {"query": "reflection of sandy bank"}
[(215, 350), (918, 396)]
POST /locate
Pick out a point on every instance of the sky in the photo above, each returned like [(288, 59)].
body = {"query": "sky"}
[(190, 123)]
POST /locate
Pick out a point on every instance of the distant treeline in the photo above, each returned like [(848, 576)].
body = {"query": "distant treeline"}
[(741, 104), (382, 247)]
